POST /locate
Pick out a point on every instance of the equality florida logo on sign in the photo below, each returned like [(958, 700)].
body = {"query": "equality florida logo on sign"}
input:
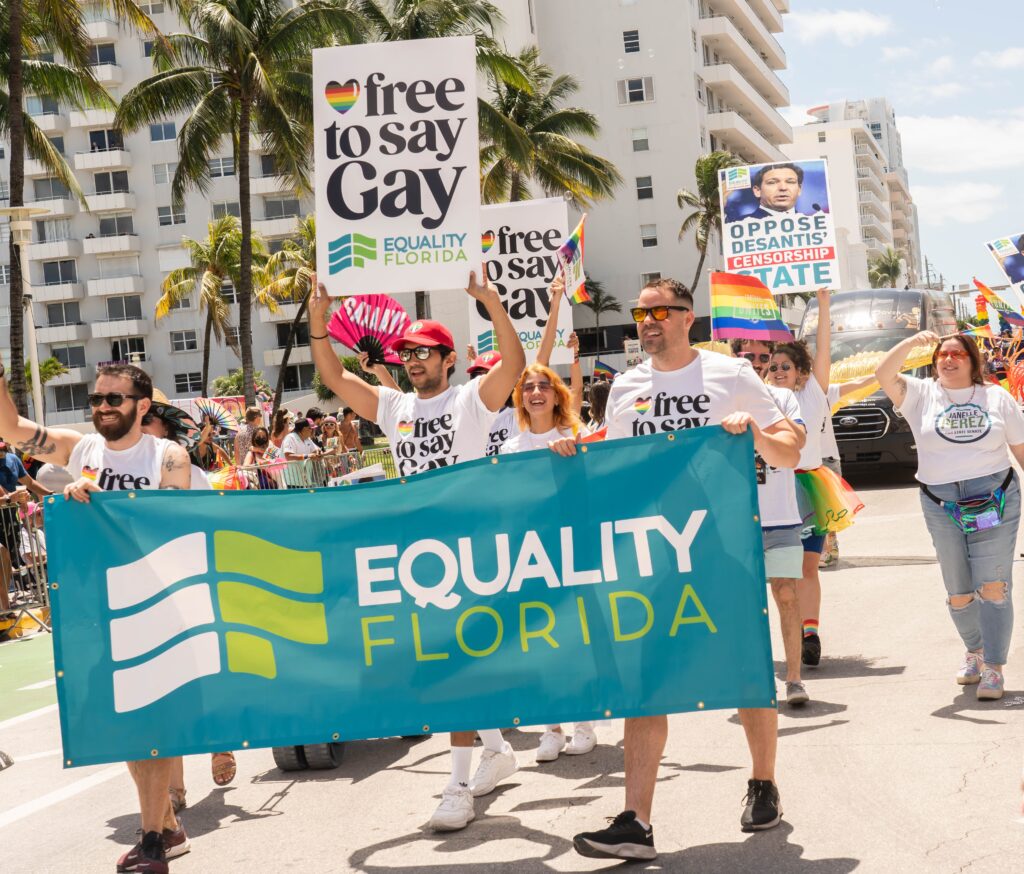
[(219, 619), (351, 250)]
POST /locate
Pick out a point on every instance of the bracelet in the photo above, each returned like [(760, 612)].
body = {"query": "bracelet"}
[(317, 336)]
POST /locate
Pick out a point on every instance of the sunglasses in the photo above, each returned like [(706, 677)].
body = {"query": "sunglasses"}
[(422, 353), (659, 313), (761, 358), (530, 387), (113, 398), (785, 368), (955, 354)]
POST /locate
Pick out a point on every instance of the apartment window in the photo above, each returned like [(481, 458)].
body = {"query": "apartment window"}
[(69, 356), (116, 225), (56, 142), (268, 165), (646, 278), (5, 189), (59, 272), (228, 207), (35, 105), (644, 188), (161, 131), (63, 313), (228, 291), (127, 348), (648, 236), (182, 303), (693, 37), (821, 136), (184, 341), (298, 377), (703, 138), (113, 268), (222, 167), (640, 90), (121, 308), (231, 336), (699, 85), (152, 8), (53, 230), (105, 140), (5, 274), (640, 141), (147, 48), (163, 174), (631, 41), (274, 246), (70, 398), (186, 382), (112, 182), (49, 189), (301, 335), (280, 207), (102, 53), (170, 215)]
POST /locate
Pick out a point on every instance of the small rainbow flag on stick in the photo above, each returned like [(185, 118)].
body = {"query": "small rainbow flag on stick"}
[(605, 370), (983, 331), (1010, 315), (742, 306), (570, 258)]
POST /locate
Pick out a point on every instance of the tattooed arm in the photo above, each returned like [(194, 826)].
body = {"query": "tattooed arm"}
[(175, 470), (46, 444)]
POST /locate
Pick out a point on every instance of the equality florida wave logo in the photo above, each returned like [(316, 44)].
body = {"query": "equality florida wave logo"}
[(350, 250), (487, 341), (219, 619)]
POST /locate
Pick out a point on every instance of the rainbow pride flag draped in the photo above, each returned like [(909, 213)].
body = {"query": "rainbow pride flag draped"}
[(984, 331), (605, 370), (570, 257), (1009, 315), (743, 307)]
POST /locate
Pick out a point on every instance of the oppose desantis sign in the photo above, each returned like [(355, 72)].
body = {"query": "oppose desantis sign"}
[(396, 152), (777, 225), (519, 243)]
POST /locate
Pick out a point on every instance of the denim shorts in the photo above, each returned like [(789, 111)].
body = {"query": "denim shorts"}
[(783, 554)]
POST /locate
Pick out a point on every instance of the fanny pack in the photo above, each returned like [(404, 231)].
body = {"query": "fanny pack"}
[(978, 513)]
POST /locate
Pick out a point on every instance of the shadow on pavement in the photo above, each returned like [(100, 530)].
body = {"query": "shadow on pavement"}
[(967, 702), (360, 760), (868, 561), (845, 667)]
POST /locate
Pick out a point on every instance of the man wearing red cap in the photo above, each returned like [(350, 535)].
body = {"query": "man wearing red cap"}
[(436, 425), (505, 424)]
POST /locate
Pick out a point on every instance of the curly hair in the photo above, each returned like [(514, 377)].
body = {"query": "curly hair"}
[(565, 418), (738, 345), (797, 352)]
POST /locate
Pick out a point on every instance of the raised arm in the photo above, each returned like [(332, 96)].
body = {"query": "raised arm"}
[(347, 387), (497, 384), (547, 341), (49, 444), (575, 374), (853, 385), (823, 340), (888, 371)]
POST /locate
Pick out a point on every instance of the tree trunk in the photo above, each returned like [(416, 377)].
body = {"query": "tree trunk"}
[(245, 266), (287, 353), (206, 352), (17, 198), (700, 266)]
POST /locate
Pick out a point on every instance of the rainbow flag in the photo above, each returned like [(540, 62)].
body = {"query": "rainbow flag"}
[(605, 370), (570, 257), (743, 307), (984, 331), (1010, 315)]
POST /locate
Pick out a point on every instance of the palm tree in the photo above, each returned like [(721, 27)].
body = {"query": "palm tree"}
[(706, 204), (290, 272), (556, 162), (885, 270), (600, 302), (242, 71), (215, 260)]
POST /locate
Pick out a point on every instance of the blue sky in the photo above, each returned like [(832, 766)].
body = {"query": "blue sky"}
[(953, 70)]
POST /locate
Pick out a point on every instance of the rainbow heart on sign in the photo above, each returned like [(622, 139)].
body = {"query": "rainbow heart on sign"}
[(342, 97), (487, 240), (642, 405), (404, 429)]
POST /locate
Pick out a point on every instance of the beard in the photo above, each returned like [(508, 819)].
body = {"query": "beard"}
[(115, 430)]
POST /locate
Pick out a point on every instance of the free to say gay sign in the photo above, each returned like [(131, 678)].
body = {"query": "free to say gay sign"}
[(609, 584), (397, 164)]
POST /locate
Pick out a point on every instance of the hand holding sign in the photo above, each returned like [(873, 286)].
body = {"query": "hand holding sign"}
[(319, 306)]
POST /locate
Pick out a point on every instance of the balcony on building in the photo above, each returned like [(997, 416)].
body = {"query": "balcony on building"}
[(51, 122), (747, 26), (869, 155), (722, 37), (36, 169), (62, 333), (869, 178), (53, 250), (57, 291), (103, 159), (112, 201), (875, 247), (870, 201), (298, 355), (114, 244), (286, 312), (286, 226), (102, 30), (135, 284), (92, 118), (107, 328), (872, 226), (56, 207), (770, 13), (900, 237), (107, 74), (74, 376), (735, 134), (732, 89)]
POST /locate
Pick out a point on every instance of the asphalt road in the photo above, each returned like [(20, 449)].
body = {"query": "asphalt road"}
[(892, 767)]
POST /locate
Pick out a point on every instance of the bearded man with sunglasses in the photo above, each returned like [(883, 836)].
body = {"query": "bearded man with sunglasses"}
[(681, 387), (119, 457)]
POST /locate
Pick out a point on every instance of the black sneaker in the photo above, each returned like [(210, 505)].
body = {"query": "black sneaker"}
[(811, 654), (763, 809), (623, 839)]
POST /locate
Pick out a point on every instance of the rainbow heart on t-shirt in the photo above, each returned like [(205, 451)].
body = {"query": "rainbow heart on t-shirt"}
[(89, 472), (405, 429), (642, 405)]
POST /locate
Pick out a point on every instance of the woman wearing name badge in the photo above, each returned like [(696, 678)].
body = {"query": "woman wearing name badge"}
[(970, 495), (544, 409)]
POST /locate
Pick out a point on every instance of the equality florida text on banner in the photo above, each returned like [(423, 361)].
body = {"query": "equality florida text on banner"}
[(397, 165), (605, 585)]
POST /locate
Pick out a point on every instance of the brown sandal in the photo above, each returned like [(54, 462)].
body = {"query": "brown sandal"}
[(223, 768)]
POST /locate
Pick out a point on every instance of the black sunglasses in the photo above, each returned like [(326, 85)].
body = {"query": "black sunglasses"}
[(785, 368), (659, 313), (421, 352), (762, 358), (113, 398)]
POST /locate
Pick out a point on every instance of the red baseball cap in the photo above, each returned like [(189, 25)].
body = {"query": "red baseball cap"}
[(484, 362), (425, 332)]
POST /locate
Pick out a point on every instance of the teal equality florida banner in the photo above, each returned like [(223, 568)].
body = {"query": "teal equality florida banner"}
[(518, 590)]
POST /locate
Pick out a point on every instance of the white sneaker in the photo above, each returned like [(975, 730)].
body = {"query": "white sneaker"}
[(454, 812), (551, 744), (583, 741), (494, 767)]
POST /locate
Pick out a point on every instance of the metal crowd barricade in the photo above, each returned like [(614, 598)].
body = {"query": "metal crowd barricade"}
[(310, 473), (23, 559)]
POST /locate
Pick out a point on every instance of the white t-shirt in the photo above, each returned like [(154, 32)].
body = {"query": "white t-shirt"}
[(437, 432), (119, 470), (647, 401), (293, 444), (829, 447), (296, 471), (961, 433), (814, 410), (199, 480), (776, 486), (524, 441), (504, 428)]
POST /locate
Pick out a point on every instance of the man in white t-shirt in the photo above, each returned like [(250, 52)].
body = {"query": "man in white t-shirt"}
[(682, 387), (119, 457), (505, 426), (436, 425)]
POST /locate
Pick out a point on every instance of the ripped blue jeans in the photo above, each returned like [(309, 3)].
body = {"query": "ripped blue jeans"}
[(969, 561)]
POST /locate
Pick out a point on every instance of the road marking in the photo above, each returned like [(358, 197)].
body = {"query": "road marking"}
[(30, 808), (42, 685), (25, 717)]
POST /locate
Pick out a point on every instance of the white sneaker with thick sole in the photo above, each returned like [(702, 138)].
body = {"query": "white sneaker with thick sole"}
[(454, 812), (494, 767), (551, 744), (583, 741)]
